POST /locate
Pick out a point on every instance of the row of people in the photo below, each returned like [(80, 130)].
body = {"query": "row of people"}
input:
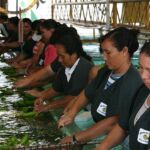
[(117, 93), (112, 93)]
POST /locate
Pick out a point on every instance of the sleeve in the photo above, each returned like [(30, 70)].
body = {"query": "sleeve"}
[(55, 65), (93, 85), (57, 84), (50, 55), (89, 90), (128, 93), (28, 48)]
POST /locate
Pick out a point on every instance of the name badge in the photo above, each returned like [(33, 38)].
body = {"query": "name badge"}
[(143, 136), (102, 108), (41, 62)]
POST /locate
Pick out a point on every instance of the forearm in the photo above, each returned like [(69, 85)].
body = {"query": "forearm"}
[(20, 58), (26, 62), (48, 94), (69, 105), (79, 103), (115, 137), (11, 44), (42, 74), (70, 114), (60, 102), (98, 129)]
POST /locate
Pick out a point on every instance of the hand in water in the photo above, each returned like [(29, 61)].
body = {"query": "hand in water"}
[(65, 120)]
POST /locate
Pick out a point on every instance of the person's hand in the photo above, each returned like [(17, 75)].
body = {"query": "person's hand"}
[(38, 101), (38, 105), (22, 83), (65, 120), (66, 140), (41, 108)]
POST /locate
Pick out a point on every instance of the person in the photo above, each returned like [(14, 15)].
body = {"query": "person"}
[(138, 126), (27, 56), (47, 29), (3, 26), (27, 44), (12, 41), (112, 90), (48, 54), (75, 67)]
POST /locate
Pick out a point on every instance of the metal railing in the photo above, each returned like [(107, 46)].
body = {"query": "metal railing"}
[(103, 13)]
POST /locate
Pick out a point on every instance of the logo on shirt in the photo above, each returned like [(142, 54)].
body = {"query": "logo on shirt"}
[(102, 108), (143, 136)]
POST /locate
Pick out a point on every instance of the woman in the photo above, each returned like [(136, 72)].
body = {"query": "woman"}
[(75, 67), (12, 41), (28, 55), (27, 43), (109, 92), (48, 54), (138, 126)]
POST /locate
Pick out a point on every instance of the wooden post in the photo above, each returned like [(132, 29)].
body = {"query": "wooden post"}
[(107, 15), (20, 28), (52, 9), (114, 17), (71, 15)]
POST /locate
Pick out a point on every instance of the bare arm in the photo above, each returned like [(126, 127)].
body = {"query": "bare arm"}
[(42, 74), (96, 130), (11, 44), (70, 105), (45, 95), (68, 118), (37, 76), (115, 137), (59, 103), (48, 94)]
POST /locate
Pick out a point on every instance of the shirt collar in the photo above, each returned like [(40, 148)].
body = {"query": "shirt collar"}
[(69, 71)]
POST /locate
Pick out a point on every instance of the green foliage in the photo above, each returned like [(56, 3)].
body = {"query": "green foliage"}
[(26, 115), (9, 71), (25, 140), (23, 103), (6, 91), (12, 141)]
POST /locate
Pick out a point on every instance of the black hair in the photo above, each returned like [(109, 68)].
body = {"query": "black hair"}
[(27, 20), (14, 20), (3, 16), (146, 49), (36, 26), (123, 37), (69, 38), (49, 24)]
